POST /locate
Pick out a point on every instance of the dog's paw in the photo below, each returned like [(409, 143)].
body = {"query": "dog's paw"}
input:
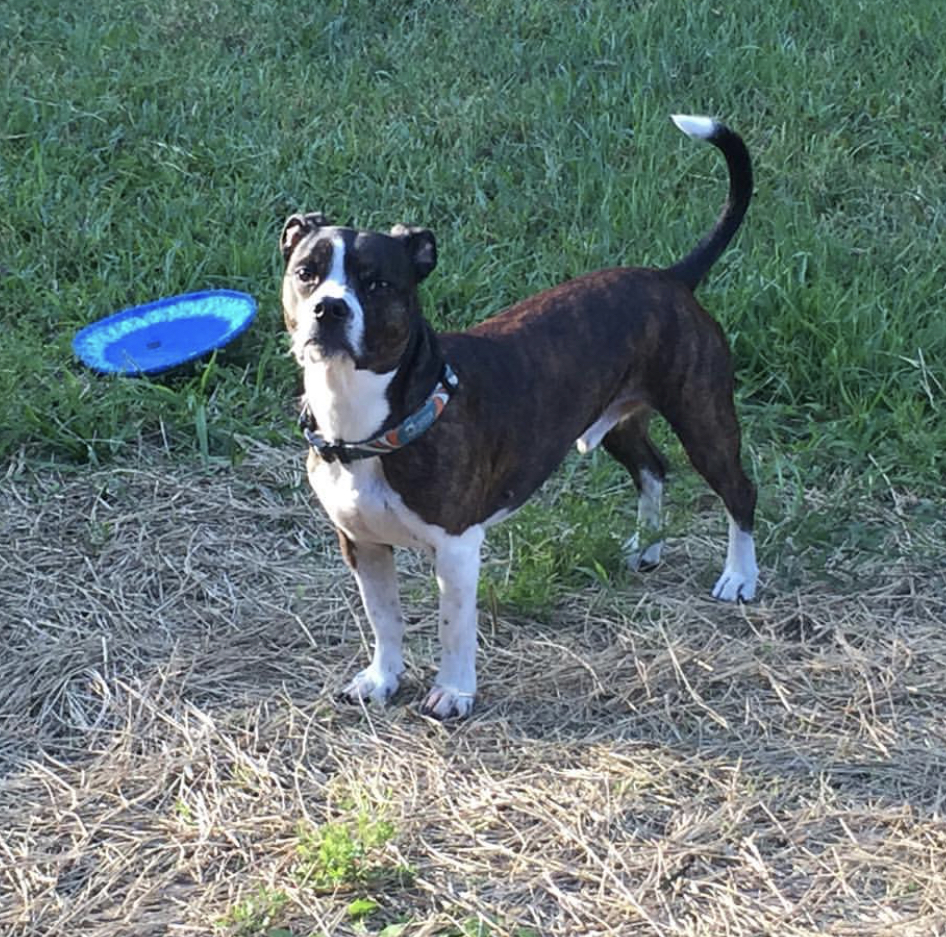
[(444, 702), (740, 574), (642, 560), (370, 684), (734, 586)]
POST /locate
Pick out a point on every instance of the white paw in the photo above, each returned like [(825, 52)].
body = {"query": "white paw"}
[(734, 586), (642, 560), (444, 702), (371, 684), (738, 581)]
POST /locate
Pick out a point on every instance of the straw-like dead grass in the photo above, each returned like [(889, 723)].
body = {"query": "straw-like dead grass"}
[(645, 761)]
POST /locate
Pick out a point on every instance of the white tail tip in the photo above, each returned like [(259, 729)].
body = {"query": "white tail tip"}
[(693, 126)]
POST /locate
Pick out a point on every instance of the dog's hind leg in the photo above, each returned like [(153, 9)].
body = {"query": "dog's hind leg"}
[(629, 443), (712, 442), (373, 566)]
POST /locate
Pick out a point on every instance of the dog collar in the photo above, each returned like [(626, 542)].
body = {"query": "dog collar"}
[(405, 432)]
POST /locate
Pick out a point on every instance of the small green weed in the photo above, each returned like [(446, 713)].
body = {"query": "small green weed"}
[(346, 855), (361, 908), (257, 915), (184, 812)]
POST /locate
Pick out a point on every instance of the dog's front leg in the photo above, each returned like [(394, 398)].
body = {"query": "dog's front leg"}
[(458, 566), (373, 566)]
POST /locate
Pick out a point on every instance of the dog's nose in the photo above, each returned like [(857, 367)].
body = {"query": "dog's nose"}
[(336, 308)]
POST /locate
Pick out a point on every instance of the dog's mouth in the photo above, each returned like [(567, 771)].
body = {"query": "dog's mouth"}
[(315, 350)]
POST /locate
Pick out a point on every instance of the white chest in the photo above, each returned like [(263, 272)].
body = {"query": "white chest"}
[(348, 403), (360, 502)]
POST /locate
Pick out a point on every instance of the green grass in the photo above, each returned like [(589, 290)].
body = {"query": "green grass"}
[(255, 916), (148, 149)]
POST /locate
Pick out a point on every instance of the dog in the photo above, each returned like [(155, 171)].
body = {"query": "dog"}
[(419, 439)]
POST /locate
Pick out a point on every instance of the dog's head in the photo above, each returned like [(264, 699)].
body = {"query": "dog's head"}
[(352, 293)]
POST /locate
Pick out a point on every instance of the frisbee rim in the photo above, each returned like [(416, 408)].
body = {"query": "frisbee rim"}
[(91, 342)]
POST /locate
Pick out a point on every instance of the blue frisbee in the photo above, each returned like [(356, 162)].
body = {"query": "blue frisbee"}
[(160, 335)]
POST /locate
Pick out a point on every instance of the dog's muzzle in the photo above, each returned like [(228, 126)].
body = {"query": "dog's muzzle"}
[(329, 327)]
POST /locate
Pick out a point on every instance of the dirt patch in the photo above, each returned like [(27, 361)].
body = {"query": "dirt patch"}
[(643, 761)]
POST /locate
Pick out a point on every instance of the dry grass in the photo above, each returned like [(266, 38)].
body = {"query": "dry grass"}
[(647, 761)]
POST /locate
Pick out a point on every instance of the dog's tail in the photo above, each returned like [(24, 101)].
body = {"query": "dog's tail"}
[(692, 268)]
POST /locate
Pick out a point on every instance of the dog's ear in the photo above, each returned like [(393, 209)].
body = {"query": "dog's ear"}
[(296, 227), (421, 248)]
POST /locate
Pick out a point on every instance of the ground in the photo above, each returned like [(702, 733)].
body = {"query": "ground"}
[(642, 759), (175, 620)]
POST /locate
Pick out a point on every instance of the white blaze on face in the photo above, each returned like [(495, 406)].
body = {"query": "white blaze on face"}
[(349, 403), (334, 286)]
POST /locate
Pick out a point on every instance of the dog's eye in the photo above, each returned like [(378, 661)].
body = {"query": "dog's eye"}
[(307, 274), (378, 284)]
